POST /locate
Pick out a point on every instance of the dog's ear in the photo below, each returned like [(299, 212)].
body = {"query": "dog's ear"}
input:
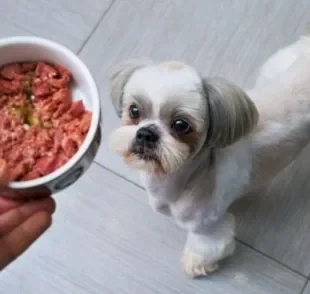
[(232, 114), (119, 77)]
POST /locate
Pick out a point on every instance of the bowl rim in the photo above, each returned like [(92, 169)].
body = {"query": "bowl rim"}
[(95, 98)]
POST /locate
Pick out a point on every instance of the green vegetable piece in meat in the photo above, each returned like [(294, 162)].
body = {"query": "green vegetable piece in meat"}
[(28, 84), (17, 112), (20, 110), (30, 77), (33, 121), (28, 92)]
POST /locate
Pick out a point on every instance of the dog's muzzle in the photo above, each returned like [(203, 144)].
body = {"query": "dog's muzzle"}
[(146, 141)]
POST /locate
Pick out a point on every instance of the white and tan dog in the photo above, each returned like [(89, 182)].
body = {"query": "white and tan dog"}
[(201, 143)]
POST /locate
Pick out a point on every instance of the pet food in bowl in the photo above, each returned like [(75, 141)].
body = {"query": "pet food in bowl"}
[(41, 126)]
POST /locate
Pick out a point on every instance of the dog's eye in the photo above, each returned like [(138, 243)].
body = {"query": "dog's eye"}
[(181, 126), (134, 112)]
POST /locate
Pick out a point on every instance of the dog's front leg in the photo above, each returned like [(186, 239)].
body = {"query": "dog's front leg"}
[(204, 249)]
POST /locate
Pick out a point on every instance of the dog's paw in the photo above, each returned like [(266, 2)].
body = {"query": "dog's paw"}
[(196, 266)]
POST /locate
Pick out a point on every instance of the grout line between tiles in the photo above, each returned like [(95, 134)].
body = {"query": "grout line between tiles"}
[(271, 258), (305, 286), (96, 26), (237, 239), (122, 177)]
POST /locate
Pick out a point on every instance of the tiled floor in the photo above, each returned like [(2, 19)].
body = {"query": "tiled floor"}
[(105, 238)]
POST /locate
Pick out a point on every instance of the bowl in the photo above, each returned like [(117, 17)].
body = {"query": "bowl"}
[(28, 48)]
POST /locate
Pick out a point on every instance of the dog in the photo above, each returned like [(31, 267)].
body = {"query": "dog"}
[(201, 143)]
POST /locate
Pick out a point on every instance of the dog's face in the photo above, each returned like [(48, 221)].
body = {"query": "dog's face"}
[(169, 113)]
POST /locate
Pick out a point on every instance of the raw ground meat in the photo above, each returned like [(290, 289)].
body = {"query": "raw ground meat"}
[(41, 128)]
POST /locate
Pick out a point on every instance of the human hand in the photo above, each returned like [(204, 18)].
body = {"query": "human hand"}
[(21, 222)]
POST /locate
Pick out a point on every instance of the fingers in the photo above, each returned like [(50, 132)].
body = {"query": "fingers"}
[(17, 241), (14, 217), (20, 194), (8, 204), (26, 194)]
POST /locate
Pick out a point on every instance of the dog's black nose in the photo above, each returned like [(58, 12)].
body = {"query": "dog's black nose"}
[(147, 137)]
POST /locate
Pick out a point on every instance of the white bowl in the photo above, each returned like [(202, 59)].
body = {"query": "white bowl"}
[(18, 49)]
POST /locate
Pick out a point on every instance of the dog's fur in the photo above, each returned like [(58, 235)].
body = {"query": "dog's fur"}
[(239, 141)]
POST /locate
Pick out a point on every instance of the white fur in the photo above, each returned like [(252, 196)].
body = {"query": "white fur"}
[(198, 195), (159, 82), (203, 251), (120, 140), (281, 61)]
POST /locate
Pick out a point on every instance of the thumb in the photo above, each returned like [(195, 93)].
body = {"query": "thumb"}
[(4, 173), (22, 194), (5, 203)]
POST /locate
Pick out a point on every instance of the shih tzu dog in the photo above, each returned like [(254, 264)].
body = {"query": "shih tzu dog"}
[(201, 143)]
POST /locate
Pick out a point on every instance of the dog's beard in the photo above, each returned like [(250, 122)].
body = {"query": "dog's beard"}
[(173, 154), (168, 156), (147, 164)]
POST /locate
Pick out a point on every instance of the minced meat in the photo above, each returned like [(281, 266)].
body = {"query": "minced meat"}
[(41, 128)]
